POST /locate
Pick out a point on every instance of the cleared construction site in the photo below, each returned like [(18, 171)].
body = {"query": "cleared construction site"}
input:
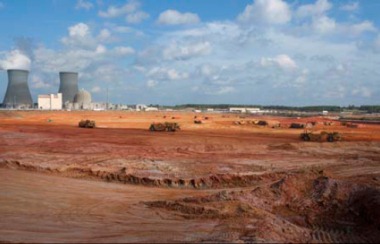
[(117, 176)]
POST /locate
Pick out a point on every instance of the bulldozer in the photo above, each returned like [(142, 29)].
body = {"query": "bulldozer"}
[(167, 126), (323, 136), (86, 123)]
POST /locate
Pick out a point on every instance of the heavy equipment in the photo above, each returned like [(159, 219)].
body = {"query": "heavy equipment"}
[(86, 123), (323, 136), (167, 126)]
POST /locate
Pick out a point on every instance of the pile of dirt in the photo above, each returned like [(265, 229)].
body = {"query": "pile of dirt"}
[(300, 207), (211, 181)]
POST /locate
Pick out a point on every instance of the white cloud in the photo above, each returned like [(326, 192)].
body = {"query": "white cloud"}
[(377, 42), (83, 4), (15, 59), (362, 91), (81, 36), (309, 10), (365, 26), (123, 51), (37, 82), (104, 34), (173, 17), (79, 30), (207, 70), (95, 89), (159, 73), (181, 51), (323, 24), (122, 29), (114, 11), (130, 11), (100, 49), (283, 61), (151, 83), (136, 17), (350, 6), (267, 12)]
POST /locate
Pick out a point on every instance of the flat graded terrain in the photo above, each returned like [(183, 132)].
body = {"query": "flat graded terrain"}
[(224, 180)]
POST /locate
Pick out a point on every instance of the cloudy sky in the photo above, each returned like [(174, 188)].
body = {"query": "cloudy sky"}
[(269, 52)]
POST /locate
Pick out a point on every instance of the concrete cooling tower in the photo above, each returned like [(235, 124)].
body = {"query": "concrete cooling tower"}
[(18, 93), (68, 86)]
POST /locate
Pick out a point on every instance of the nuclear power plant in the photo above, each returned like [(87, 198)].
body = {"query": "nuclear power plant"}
[(69, 96), (68, 86), (18, 93)]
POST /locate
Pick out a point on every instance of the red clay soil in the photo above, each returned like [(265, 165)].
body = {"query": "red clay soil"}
[(222, 181)]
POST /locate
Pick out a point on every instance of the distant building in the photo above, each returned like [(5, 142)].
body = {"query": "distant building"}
[(240, 110), (253, 110), (151, 109), (50, 101), (141, 107)]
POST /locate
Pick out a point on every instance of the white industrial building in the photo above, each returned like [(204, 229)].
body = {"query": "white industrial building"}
[(50, 101), (240, 110), (147, 109), (141, 107), (253, 110), (245, 110)]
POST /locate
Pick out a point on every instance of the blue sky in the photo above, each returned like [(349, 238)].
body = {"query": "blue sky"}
[(266, 52)]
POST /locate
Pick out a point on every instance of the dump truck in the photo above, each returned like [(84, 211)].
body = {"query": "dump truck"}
[(86, 123), (167, 126), (323, 136)]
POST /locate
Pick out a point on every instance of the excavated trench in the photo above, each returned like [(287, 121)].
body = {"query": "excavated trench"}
[(300, 207)]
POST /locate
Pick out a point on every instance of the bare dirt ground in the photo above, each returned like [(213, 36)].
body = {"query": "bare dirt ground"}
[(210, 182)]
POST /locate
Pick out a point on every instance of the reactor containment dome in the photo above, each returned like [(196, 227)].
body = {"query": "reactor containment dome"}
[(83, 99)]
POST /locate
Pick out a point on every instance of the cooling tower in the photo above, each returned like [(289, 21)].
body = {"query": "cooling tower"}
[(18, 93), (68, 86)]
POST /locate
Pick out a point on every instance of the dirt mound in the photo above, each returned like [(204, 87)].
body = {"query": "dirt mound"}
[(211, 181), (299, 207)]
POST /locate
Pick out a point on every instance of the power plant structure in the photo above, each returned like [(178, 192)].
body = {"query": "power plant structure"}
[(18, 93), (68, 86), (69, 96)]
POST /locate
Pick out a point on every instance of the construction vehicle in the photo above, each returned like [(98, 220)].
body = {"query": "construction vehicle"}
[(167, 126), (323, 136), (296, 126), (86, 124), (262, 123)]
